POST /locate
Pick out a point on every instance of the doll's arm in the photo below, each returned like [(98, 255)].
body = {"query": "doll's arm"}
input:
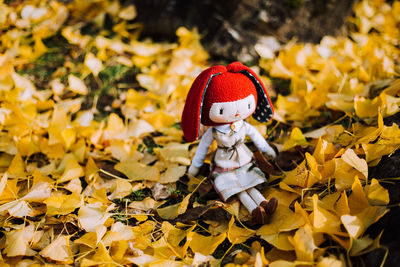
[(259, 140), (201, 152)]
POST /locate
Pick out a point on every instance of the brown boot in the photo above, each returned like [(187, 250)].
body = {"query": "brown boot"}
[(269, 206), (259, 215)]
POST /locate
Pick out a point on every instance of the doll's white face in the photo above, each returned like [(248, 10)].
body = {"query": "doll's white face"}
[(227, 112)]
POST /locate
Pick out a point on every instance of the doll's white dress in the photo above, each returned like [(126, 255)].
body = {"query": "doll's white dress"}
[(232, 168)]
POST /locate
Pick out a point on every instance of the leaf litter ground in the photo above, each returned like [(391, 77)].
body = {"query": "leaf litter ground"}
[(93, 164)]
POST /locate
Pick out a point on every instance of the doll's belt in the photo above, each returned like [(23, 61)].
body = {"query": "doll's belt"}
[(233, 148)]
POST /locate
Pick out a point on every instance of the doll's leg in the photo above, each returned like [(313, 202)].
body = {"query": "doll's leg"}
[(269, 206), (256, 195), (257, 212), (247, 201)]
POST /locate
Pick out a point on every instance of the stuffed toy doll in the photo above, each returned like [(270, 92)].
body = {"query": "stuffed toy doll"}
[(222, 97)]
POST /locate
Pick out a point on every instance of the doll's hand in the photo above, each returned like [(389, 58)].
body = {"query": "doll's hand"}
[(270, 155), (193, 170)]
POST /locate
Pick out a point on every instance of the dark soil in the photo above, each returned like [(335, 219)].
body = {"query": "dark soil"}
[(232, 28)]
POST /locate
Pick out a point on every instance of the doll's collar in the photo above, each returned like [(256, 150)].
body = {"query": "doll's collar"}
[(227, 128)]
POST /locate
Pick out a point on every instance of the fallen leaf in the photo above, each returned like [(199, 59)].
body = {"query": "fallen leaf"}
[(303, 243), (92, 215), (173, 211), (296, 139), (237, 235), (59, 250), (63, 204), (76, 85), (136, 171), (205, 245), (93, 64), (17, 242), (377, 195), (353, 160), (172, 174)]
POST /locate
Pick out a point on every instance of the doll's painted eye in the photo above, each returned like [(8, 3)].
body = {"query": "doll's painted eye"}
[(221, 111), (249, 106)]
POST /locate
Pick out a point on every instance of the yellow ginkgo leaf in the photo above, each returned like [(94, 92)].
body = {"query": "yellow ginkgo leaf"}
[(377, 194), (357, 224), (118, 250), (314, 175), (159, 119), (283, 220), (17, 208), (175, 153), (173, 234), (120, 231), (93, 64), (296, 139), (353, 225), (298, 177), (360, 244), (389, 104), (76, 85), (100, 257), (69, 136), (3, 182), (344, 174), (283, 263), (25, 86), (205, 245), (146, 204), (39, 192), (372, 134), (342, 205), (172, 174), (128, 13), (280, 71), (390, 135), (16, 168), (90, 169), (72, 170), (330, 261), (173, 211), (115, 127), (162, 250), (136, 171), (279, 240), (236, 234), (62, 204), (357, 200), (323, 220), (92, 215), (139, 128), (119, 188), (57, 86), (88, 239), (374, 152), (366, 107), (10, 191), (143, 260), (277, 231), (17, 242), (74, 186), (59, 250), (303, 243), (39, 47), (353, 160)]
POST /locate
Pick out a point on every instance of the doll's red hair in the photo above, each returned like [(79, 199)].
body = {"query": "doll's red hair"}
[(222, 84)]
